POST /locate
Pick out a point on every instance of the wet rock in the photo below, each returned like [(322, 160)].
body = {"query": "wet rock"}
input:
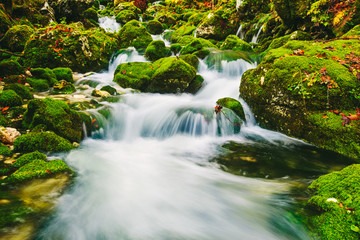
[(233, 105), (9, 98), (99, 93), (234, 43), (63, 74), (155, 27), (4, 150), (109, 89), (8, 135), (21, 90), (126, 16), (72, 10), (10, 67)]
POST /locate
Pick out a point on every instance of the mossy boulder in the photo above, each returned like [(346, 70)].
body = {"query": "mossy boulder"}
[(354, 32), (233, 105), (135, 75), (335, 202), (232, 42), (16, 37), (171, 75), (134, 34), (27, 158), (156, 50), (166, 18), (63, 74), (9, 98), (44, 73), (126, 16), (182, 31), (4, 150), (70, 46), (72, 10), (91, 14), (295, 85), (155, 27), (191, 59), (38, 85), (56, 116), (175, 48), (192, 47), (21, 90), (38, 169), (195, 85), (109, 89), (63, 87), (292, 12), (10, 67)]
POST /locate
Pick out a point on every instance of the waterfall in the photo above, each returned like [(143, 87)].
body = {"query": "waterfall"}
[(239, 32), (109, 24), (256, 37)]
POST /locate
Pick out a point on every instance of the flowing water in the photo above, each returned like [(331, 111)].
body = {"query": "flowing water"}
[(148, 174)]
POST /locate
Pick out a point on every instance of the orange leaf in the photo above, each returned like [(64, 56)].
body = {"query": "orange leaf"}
[(94, 120)]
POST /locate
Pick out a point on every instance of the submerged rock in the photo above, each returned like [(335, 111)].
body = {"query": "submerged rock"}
[(233, 105)]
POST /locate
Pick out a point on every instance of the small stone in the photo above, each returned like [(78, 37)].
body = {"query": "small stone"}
[(8, 135), (331, 200), (9, 161), (99, 93)]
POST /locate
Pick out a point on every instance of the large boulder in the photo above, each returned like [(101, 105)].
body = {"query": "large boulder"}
[(9, 98), (72, 10), (182, 31), (155, 27), (232, 42), (135, 75), (126, 16), (70, 46), (56, 116), (134, 34), (16, 37), (293, 88), (10, 67), (156, 50)]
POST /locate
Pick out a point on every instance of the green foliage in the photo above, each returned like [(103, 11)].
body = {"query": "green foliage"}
[(155, 27), (4, 150), (42, 141), (38, 169), (9, 98), (21, 90), (126, 16), (191, 47), (182, 31), (44, 73), (234, 43), (27, 158), (134, 34), (156, 50), (63, 74), (233, 105), (16, 37)]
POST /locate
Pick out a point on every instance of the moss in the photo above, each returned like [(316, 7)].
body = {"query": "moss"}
[(3, 120), (9, 98), (182, 31), (42, 141), (109, 89), (175, 48), (166, 18), (5, 22), (56, 116), (134, 34), (16, 37), (38, 169), (10, 67), (4, 150), (171, 75), (233, 105), (63, 87), (63, 74), (279, 42), (156, 50), (155, 27), (196, 18), (126, 16), (38, 85), (135, 75), (191, 59), (91, 13), (331, 220), (234, 43), (44, 73), (202, 53), (192, 47), (354, 32), (21, 90), (195, 85), (27, 158)]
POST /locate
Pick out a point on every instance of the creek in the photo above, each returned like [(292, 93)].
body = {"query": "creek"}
[(157, 169)]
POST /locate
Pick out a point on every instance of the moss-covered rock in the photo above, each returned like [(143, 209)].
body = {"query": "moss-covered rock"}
[(72, 10), (182, 31), (27, 158), (109, 89), (354, 32), (296, 84), (38, 169), (155, 27), (21, 90), (63, 87), (44, 73), (192, 47), (91, 14), (42, 141), (171, 75), (202, 53), (233, 105), (16, 37), (38, 85), (156, 50), (336, 204), (70, 46), (195, 85), (166, 18), (135, 75), (191, 59), (126, 16), (175, 48), (10, 67), (56, 116), (63, 74), (4, 150), (9, 98), (134, 34), (234, 43)]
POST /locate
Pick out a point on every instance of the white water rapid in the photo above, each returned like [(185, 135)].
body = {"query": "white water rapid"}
[(148, 176)]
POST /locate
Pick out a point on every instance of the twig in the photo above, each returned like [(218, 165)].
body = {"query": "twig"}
[(11, 53)]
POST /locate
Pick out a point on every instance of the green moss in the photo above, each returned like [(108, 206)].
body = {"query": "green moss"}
[(5, 22), (63, 74), (44, 73), (192, 47), (156, 50), (233, 105), (155, 27), (134, 34), (91, 13), (27, 158), (56, 116), (10, 67), (42, 141), (182, 31), (4, 150), (279, 42), (191, 59), (196, 18), (109, 89), (234, 43), (38, 169), (16, 37), (354, 32), (126, 16), (135, 75), (175, 48), (332, 221), (21, 90), (202, 53), (195, 85), (9, 98), (63, 87), (3, 121), (38, 85)]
